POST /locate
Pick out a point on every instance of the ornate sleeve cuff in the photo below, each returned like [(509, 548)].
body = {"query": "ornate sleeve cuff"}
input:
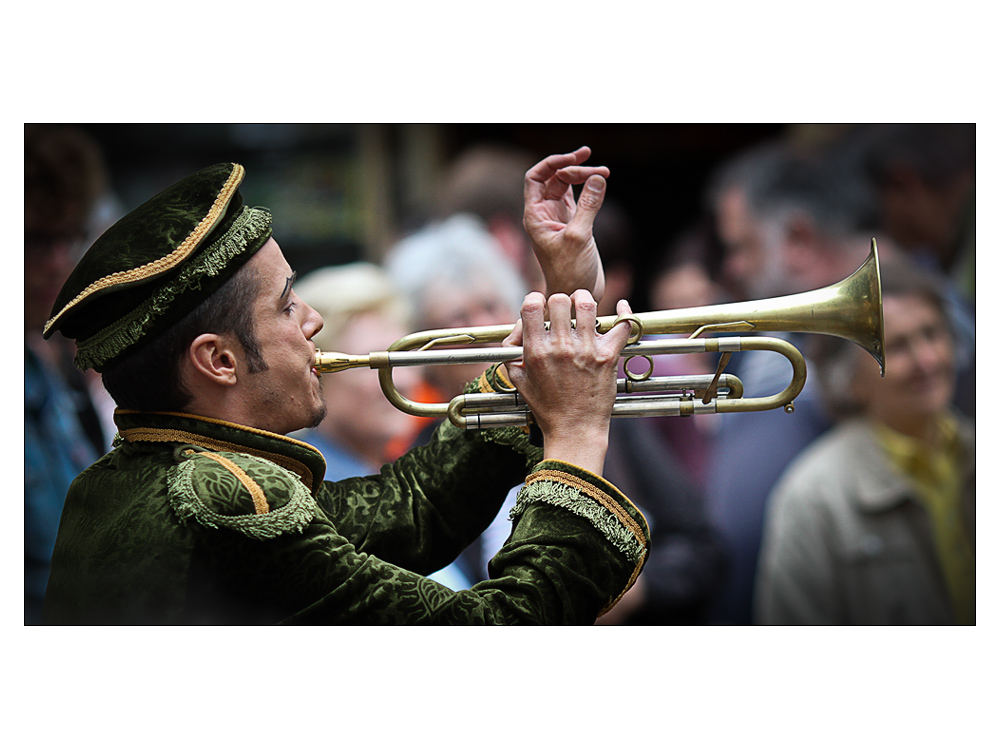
[(595, 499)]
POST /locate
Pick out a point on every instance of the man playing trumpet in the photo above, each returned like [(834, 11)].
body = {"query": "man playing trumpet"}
[(205, 512)]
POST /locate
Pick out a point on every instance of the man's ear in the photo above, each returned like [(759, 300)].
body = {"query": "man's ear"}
[(214, 357)]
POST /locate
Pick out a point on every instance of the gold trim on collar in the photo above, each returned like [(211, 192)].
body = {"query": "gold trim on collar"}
[(160, 435), (168, 261), (224, 423)]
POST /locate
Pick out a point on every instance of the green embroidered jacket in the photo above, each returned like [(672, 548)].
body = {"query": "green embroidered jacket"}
[(191, 520)]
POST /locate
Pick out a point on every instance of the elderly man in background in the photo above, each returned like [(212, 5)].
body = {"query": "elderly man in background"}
[(788, 223)]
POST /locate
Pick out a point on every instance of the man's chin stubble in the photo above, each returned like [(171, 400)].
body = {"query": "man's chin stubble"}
[(318, 416)]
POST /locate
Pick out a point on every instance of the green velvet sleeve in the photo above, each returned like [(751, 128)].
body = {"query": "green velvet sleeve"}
[(577, 545), (423, 509)]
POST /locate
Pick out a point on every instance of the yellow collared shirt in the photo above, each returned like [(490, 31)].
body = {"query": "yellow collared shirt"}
[(935, 474)]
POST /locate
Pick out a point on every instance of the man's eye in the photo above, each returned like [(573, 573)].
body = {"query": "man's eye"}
[(291, 306)]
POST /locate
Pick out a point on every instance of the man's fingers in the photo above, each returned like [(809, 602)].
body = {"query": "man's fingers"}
[(516, 335), (620, 333), (560, 313), (589, 203), (547, 167), (579, 175), (585, 309), (564, 167), (532, 316)]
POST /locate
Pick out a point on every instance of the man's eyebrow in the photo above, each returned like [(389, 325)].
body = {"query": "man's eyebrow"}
[(288, 285)]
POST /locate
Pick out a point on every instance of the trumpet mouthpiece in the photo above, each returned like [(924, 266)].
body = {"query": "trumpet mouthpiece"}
[(329, 362)]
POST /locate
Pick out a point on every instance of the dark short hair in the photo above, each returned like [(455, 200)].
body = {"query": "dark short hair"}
[(149, 379), (777, 178)]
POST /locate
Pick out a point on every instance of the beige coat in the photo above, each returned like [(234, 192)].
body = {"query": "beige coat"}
[(846, 543)]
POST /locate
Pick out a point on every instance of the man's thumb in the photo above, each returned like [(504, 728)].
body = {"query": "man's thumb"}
[(590, 201)]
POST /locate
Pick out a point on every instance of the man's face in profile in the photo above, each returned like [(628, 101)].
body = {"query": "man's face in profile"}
[(286, 395)]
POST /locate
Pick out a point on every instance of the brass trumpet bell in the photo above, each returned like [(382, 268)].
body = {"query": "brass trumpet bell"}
[(850, 309)]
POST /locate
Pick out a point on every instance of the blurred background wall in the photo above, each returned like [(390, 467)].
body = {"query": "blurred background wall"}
[(343, 192)]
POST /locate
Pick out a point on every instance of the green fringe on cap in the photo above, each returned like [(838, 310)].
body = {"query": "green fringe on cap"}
[(117, 337)]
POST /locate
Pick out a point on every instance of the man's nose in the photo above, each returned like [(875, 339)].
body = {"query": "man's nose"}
[(313, 322)]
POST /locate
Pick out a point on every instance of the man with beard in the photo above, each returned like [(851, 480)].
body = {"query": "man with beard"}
[(207, 513)]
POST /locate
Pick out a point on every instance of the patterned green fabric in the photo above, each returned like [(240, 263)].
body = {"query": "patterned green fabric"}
[(550, 489), (207, 490), (160, 532)]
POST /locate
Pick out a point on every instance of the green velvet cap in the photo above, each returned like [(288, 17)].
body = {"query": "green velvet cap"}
[(156, 264)]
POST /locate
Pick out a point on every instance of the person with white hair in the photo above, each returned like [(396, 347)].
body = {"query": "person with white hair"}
[(454, 275)]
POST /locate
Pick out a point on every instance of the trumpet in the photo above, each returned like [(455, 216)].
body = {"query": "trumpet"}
[(850, 309)]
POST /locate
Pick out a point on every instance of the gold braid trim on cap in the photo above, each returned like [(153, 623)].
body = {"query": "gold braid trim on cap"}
[(256, 493), (168, 261)]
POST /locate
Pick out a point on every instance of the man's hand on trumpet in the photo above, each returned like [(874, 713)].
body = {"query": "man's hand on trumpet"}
[(560, 228), (567, 374)]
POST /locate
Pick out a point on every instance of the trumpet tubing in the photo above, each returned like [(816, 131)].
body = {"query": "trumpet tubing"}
[(850, 309)]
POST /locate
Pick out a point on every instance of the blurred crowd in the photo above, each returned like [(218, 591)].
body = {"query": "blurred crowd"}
[(856, 508)]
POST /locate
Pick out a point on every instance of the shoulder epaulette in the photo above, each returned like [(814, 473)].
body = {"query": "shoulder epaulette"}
[(252, 495)]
